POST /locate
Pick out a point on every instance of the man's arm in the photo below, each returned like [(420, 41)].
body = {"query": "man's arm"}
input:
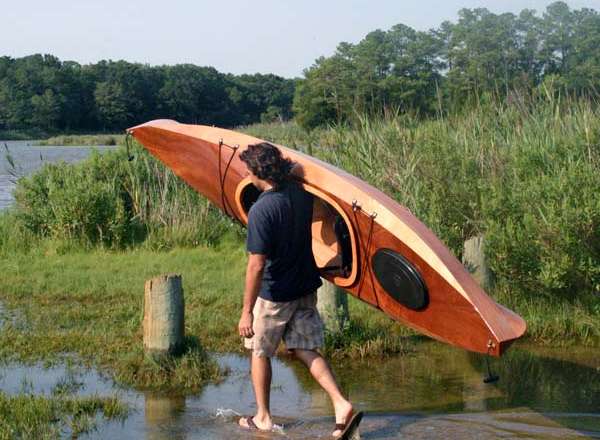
[(254, 271)]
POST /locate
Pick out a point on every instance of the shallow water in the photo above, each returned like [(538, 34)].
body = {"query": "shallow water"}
[(433, 392), (28, 158)]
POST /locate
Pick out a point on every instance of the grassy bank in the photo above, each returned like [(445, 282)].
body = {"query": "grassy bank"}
[(109, 201), (76, 139), (89, 303), (22, 135), (84, 140), (62, 411)]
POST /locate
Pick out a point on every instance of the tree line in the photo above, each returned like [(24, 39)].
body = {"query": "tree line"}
[(41, 91), (455, 65), (482, 55)]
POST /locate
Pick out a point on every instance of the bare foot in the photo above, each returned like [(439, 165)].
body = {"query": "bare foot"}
[(343, 413), (264, 424)]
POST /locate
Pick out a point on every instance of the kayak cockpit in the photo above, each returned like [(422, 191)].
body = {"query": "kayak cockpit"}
[(333, 239)]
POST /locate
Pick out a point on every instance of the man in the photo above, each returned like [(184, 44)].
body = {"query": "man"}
[(281, 283)]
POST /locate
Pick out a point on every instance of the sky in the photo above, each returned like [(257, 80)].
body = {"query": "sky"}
[(234, 36)]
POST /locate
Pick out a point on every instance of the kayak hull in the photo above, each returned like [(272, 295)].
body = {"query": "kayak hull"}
[(385, 256)]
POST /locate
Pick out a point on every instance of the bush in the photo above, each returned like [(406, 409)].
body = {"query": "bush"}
[(74, 202), (107, 200)]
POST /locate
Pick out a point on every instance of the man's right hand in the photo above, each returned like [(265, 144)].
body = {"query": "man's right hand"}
[(245, 325)]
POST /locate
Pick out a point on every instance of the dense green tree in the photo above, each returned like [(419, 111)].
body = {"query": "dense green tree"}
[(414, 75), (270, 96), (111, 104), (558, 28), (394, 69), (41, 91), (46, 110), (324, 95), (5, 102), (195, 95), (482, 55), (484, 52), (584, 72)]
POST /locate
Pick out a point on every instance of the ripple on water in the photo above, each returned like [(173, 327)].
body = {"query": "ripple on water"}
[(434, 393)]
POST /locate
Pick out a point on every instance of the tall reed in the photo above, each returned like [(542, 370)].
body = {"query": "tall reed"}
[(524, 172)]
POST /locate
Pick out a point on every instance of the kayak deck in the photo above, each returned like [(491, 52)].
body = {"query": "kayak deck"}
[(363, 241)]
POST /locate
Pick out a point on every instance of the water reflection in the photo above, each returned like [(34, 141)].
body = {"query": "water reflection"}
[(162, 411), (434, 392)]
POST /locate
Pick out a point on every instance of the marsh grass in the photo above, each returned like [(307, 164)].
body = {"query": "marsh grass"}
[(525, 173), (90, 304), (83, 140), (359, 340), (188, 371), (111, 202), (59, 413), (30, 416)]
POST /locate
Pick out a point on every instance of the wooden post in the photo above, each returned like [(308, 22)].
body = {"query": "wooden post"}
[(163, 315), (332, 304), (475, 261)]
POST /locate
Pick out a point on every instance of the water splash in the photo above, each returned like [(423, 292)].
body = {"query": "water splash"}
[(226, 413), (229, 414), (278, 429)]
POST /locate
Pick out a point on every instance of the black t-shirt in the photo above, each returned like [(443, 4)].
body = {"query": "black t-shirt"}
[(279, 226)]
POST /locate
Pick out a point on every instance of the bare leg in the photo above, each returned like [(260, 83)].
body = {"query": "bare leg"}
[(320, 370), (261, 381)]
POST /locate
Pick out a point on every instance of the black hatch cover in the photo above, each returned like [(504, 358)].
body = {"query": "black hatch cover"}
[(400, 279)]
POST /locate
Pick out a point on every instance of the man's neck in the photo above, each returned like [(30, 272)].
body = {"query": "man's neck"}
[(265, 185)]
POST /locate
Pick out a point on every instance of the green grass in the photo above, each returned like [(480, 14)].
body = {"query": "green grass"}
[(29, 416), (109, 201), (58, 413), (84, 140), (90, 304)]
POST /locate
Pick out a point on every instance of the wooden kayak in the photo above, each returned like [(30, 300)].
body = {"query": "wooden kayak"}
[(363, 241)]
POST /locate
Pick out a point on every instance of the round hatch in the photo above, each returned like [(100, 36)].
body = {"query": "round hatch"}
[(400, 279)]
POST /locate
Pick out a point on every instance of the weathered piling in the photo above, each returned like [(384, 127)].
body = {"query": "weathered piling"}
[(475, 261), (332, 303), (163, 315)]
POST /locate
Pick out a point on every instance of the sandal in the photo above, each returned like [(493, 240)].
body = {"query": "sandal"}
[(251, 425), (349, 427)]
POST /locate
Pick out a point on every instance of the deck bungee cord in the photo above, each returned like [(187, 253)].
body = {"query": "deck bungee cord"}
[(223, 175), (355, 208)]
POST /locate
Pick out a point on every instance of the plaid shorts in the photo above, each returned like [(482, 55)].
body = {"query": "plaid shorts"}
[(297, 322)]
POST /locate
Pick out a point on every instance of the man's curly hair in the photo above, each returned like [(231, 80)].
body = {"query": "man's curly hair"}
[(266, 162)]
